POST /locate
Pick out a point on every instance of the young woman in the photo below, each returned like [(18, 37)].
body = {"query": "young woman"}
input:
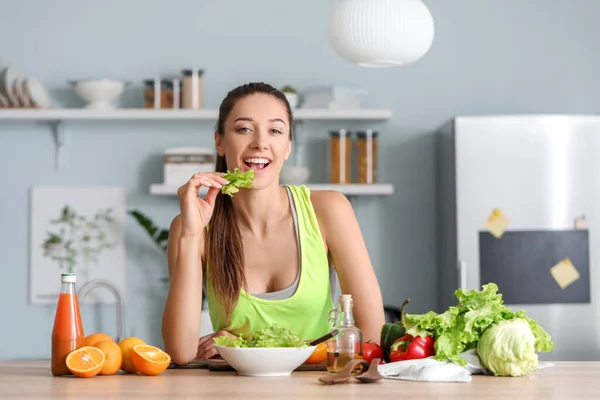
[(264, 255)]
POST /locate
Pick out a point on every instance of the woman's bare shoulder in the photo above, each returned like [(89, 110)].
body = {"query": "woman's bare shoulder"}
[(327, 198), (330, 206)]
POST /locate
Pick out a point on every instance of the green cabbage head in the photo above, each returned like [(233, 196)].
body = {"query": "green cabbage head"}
[(507, 348)]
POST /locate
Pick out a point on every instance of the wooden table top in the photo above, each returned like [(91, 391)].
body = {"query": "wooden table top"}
[(32, 379)]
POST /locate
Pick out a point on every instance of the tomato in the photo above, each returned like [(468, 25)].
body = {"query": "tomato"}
[(319, 355), (371, 350)]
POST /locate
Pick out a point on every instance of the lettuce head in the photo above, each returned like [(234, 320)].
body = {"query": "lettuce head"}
[(507, 348)]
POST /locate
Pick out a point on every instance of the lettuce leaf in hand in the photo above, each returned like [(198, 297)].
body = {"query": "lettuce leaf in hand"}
[(237, 179), (460, 327)]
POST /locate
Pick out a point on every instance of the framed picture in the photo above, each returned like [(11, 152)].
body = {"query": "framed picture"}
[(76, 230)]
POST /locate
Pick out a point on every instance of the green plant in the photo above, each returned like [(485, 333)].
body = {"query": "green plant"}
[(78, 240), (288, 89), (158, 235)]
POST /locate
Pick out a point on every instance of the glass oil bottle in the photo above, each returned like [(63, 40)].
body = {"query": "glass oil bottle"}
[(347, 344)]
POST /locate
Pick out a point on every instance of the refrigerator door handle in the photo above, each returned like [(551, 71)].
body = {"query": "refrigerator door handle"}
[(462, 274)]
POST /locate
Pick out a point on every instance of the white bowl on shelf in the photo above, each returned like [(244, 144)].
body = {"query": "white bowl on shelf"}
[(99, 93), (294, 175), (292, 98), (265, 361)]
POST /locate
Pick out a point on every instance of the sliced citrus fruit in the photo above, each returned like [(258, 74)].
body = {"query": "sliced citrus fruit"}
[(149, 360), (86, 361), (126, 346)]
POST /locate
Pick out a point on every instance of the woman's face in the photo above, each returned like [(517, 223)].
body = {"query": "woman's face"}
[(257, 136)]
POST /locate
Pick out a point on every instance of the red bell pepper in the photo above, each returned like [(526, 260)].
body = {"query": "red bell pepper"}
[(411, 348)]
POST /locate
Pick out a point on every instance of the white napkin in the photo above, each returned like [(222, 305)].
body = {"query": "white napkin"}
[(430, 370)]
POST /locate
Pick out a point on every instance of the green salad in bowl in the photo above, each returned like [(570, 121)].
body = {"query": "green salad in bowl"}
[(271, 336), (271, 351)]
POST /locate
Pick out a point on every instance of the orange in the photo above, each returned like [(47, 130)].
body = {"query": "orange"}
[(113, 357), (86, 361), (94, 338), (126, 346), (150, 360), (319, 355)]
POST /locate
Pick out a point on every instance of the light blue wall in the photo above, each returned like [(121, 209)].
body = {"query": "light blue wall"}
[(489, 56)]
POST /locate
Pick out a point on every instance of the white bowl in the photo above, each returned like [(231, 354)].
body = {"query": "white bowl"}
[(99, 92), (294, 175), (292, 98), (265, 361)]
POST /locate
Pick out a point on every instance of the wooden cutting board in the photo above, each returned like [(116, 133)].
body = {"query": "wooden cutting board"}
[(218, 364)]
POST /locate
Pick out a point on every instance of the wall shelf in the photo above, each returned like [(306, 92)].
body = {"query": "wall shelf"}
[(56, 118), (121, 114), (352, 189)]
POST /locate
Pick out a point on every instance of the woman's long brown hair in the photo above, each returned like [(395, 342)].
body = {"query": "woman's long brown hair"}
[(224, 247)]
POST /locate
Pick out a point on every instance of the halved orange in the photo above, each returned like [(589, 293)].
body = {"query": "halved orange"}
[(149, 360), (86, 361), (126, 346)]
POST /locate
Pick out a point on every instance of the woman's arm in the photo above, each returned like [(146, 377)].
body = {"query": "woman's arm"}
[(181, 316), (346, 245)]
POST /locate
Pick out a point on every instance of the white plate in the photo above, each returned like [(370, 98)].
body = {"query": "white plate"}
[(3, 102), (20, 92), (3, 65), (7, 79), (37, 93)]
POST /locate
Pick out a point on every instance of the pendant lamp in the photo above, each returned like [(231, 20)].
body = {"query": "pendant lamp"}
[(381, 33)]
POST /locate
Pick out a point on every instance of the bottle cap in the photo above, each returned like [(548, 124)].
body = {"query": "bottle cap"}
[(68, 278), (345, 301)]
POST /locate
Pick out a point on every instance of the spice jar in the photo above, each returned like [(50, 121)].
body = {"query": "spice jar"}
[(152, 93), (176, 98), (367, 156), (166, 95), (340, 147), (193, 88), (171, 94)]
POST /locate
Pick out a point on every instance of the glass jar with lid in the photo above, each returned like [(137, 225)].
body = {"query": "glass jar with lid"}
[(171, 94), (153, 93), (340, 150), (162, 93), (366, 143), (193, 88)]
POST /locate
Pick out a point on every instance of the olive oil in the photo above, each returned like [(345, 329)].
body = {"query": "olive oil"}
[(347, 344), (338, 361)]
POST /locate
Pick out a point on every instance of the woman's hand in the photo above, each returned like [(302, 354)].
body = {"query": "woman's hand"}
[(206, 345), (196, 211)]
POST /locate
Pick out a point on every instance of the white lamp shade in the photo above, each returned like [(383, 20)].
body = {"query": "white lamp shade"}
[(381, 33)]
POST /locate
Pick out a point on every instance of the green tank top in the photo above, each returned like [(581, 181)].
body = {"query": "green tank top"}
[(305, 312)]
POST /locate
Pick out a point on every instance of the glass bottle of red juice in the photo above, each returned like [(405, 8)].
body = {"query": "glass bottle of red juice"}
[(67, 334)]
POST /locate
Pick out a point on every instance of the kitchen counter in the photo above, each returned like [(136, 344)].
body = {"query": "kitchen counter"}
[(32, 379)]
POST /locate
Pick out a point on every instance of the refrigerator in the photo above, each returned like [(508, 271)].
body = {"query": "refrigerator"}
[(518, 204)]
